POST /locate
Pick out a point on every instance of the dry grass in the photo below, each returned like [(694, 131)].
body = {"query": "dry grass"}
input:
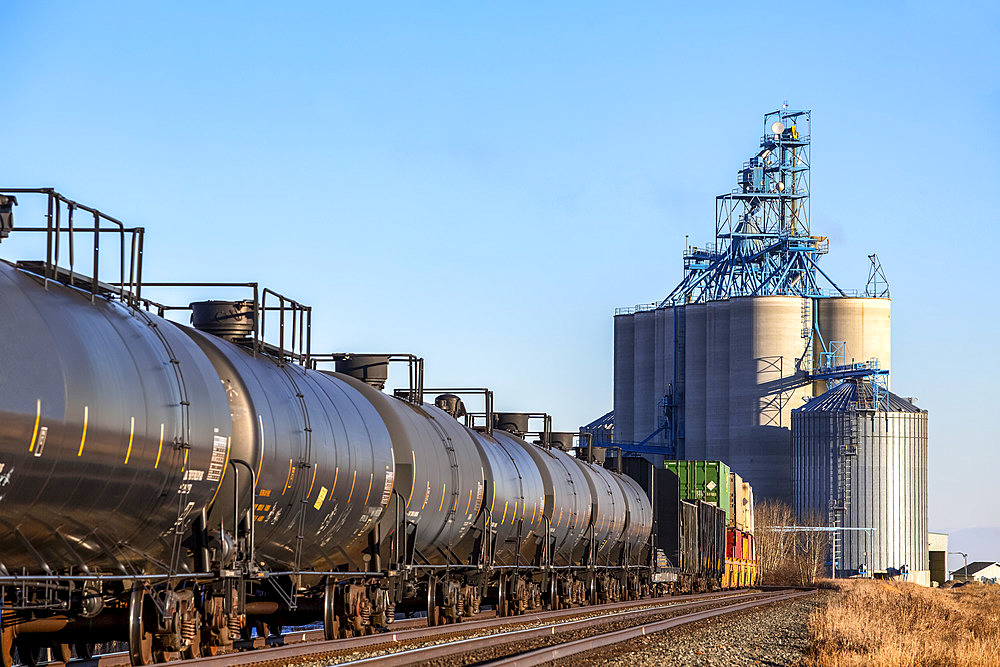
[(896, 623)]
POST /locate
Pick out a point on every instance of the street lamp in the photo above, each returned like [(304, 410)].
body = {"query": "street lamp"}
[(966, 557)]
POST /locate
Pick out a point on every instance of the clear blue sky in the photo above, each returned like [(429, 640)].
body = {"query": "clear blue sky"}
[(483, 185)]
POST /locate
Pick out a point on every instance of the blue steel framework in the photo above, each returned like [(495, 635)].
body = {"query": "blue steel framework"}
[(764, 246)]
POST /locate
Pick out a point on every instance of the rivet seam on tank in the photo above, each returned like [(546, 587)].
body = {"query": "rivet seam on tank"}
[(131, 435), (159, 449), (83, 438), (38, 418)]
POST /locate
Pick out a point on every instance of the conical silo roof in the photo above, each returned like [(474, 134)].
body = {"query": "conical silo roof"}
[(856, 395)]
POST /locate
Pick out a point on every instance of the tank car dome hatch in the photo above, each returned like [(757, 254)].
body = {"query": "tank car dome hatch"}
[(372, 369), (225, 319), (512, 422), (451, 404), (562, 440)]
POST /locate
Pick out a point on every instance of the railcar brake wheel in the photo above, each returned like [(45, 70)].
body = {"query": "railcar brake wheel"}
[(140, 642)]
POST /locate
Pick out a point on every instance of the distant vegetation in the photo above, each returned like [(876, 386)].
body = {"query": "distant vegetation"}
[(885, 623), (788, 558)]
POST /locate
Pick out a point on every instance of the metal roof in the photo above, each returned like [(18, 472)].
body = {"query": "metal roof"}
[(974, 568), (856, 394)]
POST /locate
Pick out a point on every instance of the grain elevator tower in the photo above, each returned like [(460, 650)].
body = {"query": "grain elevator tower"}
[(754, 329)]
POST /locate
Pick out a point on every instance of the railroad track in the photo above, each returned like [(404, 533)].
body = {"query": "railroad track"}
[(404, 645)]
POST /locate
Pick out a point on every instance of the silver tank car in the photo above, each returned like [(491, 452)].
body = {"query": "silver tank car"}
[(113, 428), (320, 452)]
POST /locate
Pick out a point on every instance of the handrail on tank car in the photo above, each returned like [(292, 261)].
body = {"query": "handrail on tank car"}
[(54, 230), (470, 417), (414, 393)]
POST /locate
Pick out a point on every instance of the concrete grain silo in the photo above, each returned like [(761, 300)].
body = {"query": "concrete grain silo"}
[(765, 382), (859, 460)]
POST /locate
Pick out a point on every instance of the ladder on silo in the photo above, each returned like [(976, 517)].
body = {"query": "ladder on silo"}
[(807, 333), (846, 455)]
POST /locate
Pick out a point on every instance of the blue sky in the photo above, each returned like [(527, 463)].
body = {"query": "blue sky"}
[(484, 185)]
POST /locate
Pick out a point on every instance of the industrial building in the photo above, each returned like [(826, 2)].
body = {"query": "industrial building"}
[(987, 572), (937, 552), (757, 330)]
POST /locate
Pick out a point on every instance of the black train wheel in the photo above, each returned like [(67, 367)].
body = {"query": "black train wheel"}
[(140, 642)]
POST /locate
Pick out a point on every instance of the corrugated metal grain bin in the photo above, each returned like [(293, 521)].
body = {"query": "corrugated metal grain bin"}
[(862, 463), (704, 480), (738, 502)]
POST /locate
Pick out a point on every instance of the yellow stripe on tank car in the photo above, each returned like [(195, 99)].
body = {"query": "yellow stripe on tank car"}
[(353, 480), (371, 478), (131, 434), (441, 506), (38, 418), (184, 465), (229, 444), (504, 513), (260, 461), (315, 470), (287, 477), (413, 481), (159, 449), (83, 438), (468, 505), (534, 510), (336, 474)]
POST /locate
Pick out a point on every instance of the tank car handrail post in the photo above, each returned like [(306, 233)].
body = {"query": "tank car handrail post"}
[(72, 255), (48, 240), (55, 263), (141, 233), (97, 249), (258, 317)]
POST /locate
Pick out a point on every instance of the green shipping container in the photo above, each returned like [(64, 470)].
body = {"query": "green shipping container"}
[(704, 480)]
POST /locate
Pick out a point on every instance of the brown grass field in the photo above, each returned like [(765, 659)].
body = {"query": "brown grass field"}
[(896, 623)]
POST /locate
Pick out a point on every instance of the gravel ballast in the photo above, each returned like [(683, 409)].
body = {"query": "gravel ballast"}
[(771, 635)]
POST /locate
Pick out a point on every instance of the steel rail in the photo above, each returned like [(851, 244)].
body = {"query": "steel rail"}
[(567, 649), (304, 645), (463, 647)]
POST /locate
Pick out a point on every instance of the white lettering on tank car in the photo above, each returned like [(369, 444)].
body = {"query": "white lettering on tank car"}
[(390, 475), (218, 462), (194, 475)]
